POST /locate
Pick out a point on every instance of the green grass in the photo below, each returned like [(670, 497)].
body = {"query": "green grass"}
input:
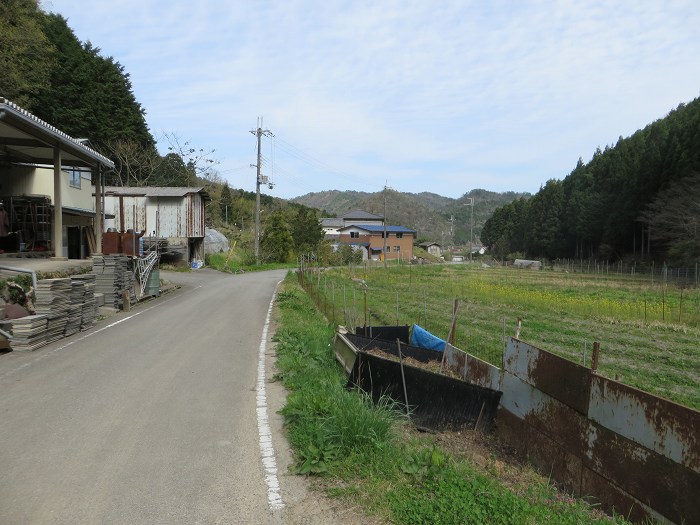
[(367, 455), (648, 331)]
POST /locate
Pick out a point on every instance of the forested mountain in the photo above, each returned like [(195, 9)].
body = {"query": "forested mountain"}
[(639, 198), (435, 218), (49, 72), (71, 85)]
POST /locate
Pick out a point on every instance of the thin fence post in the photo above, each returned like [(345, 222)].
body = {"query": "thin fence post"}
[(596, 356), (345, 306), (397, 308)]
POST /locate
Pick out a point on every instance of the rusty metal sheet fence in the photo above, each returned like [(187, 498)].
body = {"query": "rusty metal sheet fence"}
[(629, 450)]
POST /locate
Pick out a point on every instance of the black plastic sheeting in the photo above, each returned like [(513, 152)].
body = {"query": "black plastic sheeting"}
[(386, 333), (390, 347), (436, 402)]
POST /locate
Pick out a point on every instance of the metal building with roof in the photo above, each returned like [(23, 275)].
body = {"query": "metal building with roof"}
[(45, 179), (174, 217)]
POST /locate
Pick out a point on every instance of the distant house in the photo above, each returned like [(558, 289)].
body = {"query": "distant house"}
[(360, 217), (46, 182), (364, 230), (432, 248), (399, 240), (173, 217), (332, 225)]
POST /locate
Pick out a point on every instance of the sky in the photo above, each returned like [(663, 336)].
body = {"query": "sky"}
[(436, 96)]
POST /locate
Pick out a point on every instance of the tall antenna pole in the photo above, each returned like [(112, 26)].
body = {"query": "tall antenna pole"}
[(258, 132)]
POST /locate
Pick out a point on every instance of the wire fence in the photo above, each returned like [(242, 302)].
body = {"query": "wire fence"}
[(680, 276)]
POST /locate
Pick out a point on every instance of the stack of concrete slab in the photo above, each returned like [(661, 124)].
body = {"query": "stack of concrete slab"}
[(110, 273), (75, 311), (88, 300), (129, 282), (28, 333), (53, 300)]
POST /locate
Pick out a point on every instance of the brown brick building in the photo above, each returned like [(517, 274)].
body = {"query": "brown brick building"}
[(399, 240)]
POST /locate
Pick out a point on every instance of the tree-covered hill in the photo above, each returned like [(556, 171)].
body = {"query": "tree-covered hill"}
[(435, 218), (638, 199), (70, 84)]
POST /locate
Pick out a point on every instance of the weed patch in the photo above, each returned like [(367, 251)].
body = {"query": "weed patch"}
[(367, 455)]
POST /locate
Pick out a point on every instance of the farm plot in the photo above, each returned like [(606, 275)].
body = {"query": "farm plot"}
[(648, 332)]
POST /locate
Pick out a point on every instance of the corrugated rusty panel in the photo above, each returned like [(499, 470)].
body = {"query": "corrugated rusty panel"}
[(544, 452), (668, 428), (644, 474), (655, 480), (613, 498), (519, 397), (554, 375), (472, 369), (189, 215), (182, 219)]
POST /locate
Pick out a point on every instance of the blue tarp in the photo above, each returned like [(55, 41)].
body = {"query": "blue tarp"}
[(424, 339)]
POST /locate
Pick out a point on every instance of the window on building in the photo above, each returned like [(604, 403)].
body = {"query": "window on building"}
[(354, 235), (397, 248), (74, 178), (399, 235)]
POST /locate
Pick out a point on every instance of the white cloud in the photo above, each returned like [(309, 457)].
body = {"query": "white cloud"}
[(437, 97)]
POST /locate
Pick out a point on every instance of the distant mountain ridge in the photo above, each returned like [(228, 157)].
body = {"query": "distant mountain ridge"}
[(435, 218)]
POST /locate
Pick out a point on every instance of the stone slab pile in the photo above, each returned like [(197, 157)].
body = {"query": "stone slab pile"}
[(29, 333), (112, 277), (53, 299), (88, 301)]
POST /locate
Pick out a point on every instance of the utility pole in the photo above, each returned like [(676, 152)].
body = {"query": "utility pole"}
[(471, 226), (384, 221), (258, 132)]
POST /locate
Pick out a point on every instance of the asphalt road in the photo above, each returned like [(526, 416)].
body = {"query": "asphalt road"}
[(149, 417)]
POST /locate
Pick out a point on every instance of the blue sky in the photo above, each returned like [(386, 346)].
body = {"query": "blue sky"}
[(438, 96)]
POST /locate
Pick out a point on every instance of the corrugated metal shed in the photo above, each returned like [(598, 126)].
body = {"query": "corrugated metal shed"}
[(169, 212)]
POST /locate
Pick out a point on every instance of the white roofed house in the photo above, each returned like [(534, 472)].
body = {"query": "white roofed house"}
[(332, 225), (174, 218)]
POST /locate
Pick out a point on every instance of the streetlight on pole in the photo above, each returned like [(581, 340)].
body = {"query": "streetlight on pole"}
[(471, 225)]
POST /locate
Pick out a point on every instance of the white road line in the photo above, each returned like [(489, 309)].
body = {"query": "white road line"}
[(267, 451)]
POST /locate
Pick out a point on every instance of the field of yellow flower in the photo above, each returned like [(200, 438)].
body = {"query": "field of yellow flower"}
[(648, 331)]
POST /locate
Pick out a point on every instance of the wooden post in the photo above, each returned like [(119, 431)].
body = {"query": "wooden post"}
[(365, 291), (596, 354)]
